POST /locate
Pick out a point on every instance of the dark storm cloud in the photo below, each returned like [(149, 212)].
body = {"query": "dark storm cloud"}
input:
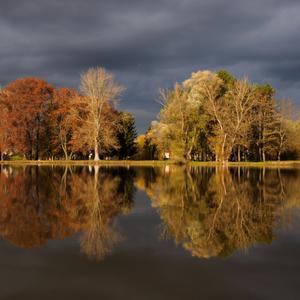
[(151, 44)]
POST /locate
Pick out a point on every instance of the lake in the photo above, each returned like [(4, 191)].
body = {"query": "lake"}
[(149, 233)]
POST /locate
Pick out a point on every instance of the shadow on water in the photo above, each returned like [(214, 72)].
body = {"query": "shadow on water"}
[(208, 211)]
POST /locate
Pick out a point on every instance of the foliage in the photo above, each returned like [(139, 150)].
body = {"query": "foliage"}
[(42, 122), (214, 116), (126, 135), (211, 116)]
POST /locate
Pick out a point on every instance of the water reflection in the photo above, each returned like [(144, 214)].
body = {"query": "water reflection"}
[(209, 211), (216, 211), (38, 204)]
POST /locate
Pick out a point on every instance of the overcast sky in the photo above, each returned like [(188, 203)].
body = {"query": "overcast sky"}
[(150, 44)]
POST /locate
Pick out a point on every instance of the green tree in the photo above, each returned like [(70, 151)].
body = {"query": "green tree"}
[(127, 135), (181, 122)]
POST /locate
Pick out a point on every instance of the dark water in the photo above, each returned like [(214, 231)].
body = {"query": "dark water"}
[(149, 233)]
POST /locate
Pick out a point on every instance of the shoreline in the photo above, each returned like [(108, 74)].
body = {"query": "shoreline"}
[(151, 163)]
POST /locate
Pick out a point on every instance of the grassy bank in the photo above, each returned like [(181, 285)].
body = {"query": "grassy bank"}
[(88, 162), (268, 164)]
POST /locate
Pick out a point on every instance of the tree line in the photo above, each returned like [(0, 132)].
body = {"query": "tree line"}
[(39, 121), (212, 116), (217, 117)]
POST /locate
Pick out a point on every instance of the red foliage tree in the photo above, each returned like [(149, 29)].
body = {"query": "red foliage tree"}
[(28, 101), (5, 141), (63, 120)]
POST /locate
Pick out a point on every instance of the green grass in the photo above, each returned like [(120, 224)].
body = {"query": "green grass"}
[(90, 162), (16, 157), (268, 164)]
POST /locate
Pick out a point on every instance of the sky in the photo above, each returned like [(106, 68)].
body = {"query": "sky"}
[(151, 44)]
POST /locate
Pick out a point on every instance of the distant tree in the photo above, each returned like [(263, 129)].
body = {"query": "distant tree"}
[(151, 148), (140, 142)]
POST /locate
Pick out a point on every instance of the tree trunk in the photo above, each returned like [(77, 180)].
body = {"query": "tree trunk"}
[(37, 145), (96, 157), (65, 153), (279, 155), (188, 155), (263, 155), (223, 159), (239, 153)]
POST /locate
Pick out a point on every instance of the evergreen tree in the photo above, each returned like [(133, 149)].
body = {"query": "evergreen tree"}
[(126, 136)]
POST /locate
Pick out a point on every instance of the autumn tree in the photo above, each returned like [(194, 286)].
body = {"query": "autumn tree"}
[(296, 139), (216, 116), (241, 101), (5, 126), (229, 108), (265, 124), (287, 115), (99, 125), (63, 121), (27, 101), (181, 121), (140, 142)]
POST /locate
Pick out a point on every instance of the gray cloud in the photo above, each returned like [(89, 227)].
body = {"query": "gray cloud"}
[(151, 44)]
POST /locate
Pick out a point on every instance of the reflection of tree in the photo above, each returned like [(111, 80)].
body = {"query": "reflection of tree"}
[(213, 212), (39, 204), (97, 193)]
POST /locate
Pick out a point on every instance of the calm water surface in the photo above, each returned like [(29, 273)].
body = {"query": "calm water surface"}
[(149, 233)]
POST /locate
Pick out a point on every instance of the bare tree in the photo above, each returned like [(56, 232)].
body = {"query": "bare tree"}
[(101, 93)]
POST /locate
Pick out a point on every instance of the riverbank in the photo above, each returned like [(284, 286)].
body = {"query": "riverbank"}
[(88, 162), (268, 164)]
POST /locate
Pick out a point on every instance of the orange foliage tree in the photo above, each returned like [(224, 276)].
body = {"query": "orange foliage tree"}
[(27, 101), (63, 121)]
